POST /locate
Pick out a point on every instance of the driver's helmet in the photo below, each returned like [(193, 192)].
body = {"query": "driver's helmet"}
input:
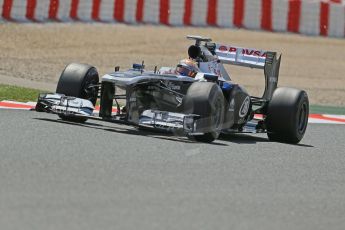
[(187, 67)]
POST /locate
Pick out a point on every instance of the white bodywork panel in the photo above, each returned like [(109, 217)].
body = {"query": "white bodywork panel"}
[(215, 67), (233, 55)]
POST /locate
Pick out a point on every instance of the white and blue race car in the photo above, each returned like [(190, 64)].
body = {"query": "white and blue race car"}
[(201, 106)]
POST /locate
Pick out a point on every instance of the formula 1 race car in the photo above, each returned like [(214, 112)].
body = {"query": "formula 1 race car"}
[(201, 106)]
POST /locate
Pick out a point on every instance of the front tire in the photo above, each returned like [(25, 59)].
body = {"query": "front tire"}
[(205, 99), (287, 115), (76, 80)]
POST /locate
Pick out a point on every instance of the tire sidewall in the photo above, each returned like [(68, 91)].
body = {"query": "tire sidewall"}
[(206, 99), (75, 78), (73, 82), (302, 104), (283, 115)]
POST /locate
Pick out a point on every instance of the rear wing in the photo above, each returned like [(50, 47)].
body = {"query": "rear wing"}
[(253, 58), (241, 56)]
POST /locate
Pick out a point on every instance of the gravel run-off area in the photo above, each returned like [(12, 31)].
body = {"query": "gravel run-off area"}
[(34, 55)]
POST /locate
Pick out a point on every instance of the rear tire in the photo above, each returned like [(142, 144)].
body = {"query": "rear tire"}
[(287, 115), (205, 99), (74, 81)]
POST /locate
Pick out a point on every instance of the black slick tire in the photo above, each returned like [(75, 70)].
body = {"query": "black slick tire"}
[(287, 115), (75, 80), (205, 99)]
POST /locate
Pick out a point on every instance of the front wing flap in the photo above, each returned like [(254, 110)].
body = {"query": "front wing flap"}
[(64, 105), (169, 121)]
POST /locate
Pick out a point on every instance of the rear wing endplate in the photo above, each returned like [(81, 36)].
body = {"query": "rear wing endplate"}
[(253, 58)]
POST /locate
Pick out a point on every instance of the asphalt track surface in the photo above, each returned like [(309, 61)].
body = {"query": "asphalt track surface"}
[(58, 175)]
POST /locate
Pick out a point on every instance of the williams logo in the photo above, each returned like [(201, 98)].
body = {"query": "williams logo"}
[(244, 107)]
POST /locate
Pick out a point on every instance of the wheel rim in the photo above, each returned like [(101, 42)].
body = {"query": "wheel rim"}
[(302, 118), (89, 90)]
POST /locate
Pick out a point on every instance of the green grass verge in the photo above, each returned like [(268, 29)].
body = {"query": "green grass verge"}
[(15, 93), (321, 109)]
